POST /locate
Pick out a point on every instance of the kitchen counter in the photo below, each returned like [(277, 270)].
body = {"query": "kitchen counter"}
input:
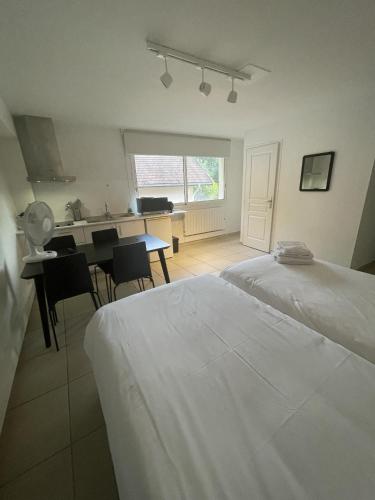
[(84, 223)]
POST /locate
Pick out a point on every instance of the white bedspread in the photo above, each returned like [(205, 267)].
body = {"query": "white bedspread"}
[(333, 300), (209, 394)]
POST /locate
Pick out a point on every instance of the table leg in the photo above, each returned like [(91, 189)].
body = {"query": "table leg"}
[(39, 285), (164, 265)]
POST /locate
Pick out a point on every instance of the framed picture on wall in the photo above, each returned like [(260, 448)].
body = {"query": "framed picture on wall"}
[(316, 171)]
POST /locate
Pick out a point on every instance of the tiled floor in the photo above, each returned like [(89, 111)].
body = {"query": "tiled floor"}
[(54, 444)]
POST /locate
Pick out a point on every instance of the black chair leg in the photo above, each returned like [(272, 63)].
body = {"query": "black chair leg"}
[(96, 278), (152, 281), (143, 284), (114, 292), (98, 297), (54, 316), (107, 287), (53, 329), (94, 300), (110, 289)]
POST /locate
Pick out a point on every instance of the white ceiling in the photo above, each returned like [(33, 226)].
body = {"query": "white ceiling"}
[(86, 61)]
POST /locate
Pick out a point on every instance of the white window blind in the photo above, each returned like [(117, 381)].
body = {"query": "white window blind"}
[(153, 143)]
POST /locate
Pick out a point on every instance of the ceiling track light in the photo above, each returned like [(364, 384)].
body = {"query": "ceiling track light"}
[(204, 87), (166, 78), (232, 96)]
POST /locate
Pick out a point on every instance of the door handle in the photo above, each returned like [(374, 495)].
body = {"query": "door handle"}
[(270, 202)]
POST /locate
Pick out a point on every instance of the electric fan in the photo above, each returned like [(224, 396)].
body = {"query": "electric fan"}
[(38, 224)]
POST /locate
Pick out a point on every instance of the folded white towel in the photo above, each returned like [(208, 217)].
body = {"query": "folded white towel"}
[(287, 244), (294, 260), (304, 252), (292, 249), (292, 252)]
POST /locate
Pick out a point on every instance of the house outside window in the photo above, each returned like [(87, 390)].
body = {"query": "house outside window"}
[(183, 179)]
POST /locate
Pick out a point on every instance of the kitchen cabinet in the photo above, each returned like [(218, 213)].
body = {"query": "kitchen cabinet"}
[(131, 228), (161, 227), (128, 228)]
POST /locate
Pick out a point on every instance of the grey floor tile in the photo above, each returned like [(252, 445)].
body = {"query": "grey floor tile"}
[(50, 480), (33, 344), (33, 432), (126, 289), (78, 305), (93, 470), (85, 410), (34, 322), (76, 326), (202, 268), (78, 362), (38, 376)]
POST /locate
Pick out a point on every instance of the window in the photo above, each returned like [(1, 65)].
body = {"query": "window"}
[(183, 179)]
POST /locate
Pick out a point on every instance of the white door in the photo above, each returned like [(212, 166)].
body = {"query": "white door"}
[(258, 193)]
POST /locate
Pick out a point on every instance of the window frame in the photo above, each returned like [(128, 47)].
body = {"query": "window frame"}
[(186, 204)]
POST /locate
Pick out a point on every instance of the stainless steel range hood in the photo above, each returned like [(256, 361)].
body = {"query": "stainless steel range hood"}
[(39, 148)]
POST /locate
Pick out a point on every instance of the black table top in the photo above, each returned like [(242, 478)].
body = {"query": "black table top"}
[(95, 254)]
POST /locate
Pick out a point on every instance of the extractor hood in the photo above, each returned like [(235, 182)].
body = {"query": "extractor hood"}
[(39, 148)]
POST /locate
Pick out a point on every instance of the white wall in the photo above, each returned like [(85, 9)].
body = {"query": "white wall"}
[(95, 155), (364, 251), (15, 294), (328, 221), (233, 180), (15, 173), (6, 123)]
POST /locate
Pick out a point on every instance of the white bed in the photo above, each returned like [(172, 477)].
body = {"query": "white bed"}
[(333, 300), (209, 394)]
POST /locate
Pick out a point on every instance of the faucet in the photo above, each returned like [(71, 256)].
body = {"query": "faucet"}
[(107, 212)]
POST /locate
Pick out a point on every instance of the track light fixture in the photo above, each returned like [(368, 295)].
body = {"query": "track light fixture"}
[(232, 96), (204, 87), (166, 78)]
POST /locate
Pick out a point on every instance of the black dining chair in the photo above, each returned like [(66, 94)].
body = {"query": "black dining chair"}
[(66, 277), (60, 244), (130, 263), (102, 237), (65, 242)]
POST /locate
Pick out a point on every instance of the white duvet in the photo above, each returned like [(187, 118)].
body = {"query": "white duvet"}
[(209, 394), (333, 300)]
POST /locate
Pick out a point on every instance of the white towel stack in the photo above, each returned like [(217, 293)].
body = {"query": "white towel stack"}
[(292, 252)]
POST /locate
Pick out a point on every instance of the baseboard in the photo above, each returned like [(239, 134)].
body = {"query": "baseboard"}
[(203, 236)]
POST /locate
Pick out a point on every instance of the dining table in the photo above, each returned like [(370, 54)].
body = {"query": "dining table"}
[(95, 254)]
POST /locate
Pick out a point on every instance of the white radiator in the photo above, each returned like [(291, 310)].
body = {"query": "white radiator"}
[(204, 220)]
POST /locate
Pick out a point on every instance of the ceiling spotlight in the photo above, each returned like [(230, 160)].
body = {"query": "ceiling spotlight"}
[(232, 96), (204, 87), (166, 79)]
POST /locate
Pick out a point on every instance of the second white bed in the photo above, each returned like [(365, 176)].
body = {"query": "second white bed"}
[(333, 300)]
